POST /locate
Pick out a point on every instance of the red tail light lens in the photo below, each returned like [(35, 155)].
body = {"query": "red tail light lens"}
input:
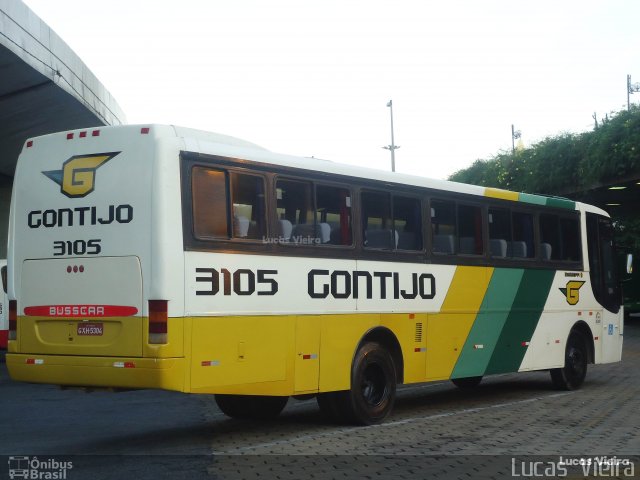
[(158, 321), (13, 319)]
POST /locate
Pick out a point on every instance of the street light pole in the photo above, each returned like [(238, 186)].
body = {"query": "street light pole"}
[(393, 146), (631, 88), (514, 134)]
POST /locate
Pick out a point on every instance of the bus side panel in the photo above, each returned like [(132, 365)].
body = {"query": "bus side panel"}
[(611, 333), (548, 343), (249, 321), (448, 331), (483, 337), (521, 321), (220, 284), (410, 329), (238, 351), (307, 354), (339, 338), (570, 301)]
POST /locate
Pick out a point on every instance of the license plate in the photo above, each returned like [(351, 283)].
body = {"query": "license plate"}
[(90, 329)]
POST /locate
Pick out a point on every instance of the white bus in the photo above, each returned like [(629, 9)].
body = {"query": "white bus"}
[(162, 257)]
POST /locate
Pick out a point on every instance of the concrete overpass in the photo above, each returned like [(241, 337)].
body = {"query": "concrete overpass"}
[(44, 87)]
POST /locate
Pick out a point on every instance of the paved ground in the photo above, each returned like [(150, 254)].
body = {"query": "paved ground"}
[(498, 430)]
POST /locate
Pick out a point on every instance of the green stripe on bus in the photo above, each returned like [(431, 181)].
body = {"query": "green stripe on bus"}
[(521, 321), (535, 199), (493, 313), (561, 203), (548, 201)]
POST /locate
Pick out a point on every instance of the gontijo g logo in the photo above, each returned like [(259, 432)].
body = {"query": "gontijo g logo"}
[(78, 175), (572, 291)]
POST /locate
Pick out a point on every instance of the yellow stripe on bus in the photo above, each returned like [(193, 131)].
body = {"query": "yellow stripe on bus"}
[(447, 331), (502, 194)]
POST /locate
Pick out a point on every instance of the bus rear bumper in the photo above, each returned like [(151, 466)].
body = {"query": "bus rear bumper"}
[(105, 372)]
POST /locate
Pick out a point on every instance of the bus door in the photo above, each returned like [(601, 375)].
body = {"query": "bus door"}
[(605, 285)]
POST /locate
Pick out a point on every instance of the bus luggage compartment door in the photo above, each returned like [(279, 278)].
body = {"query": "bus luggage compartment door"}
[(81, 306)]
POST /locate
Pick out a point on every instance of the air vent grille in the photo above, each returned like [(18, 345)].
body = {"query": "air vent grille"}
[(418, 332)]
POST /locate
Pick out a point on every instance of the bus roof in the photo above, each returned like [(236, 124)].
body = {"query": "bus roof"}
[(225, 145)]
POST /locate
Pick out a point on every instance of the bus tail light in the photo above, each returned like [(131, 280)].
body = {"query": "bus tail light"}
[(158, 321), (13, 319)]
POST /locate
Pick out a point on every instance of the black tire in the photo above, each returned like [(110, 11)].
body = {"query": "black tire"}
[(255, 407), (466, 383), (576, 357), (373, 388)]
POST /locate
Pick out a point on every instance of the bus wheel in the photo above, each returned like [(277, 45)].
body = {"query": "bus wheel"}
[(373, 387), (256, 407), (571, 376), (468, 382)]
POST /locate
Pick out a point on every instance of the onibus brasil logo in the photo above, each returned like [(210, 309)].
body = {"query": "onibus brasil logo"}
[(34, 468), (78, 175)]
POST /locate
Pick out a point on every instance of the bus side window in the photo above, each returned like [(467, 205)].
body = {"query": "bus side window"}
[(523, 245), (209, 192), (570, 233), (443, 226), (295, 211), (248, 206), (333, 215), (470, 230), (407, 223), (499, 232), (377, 227), (550, 237)]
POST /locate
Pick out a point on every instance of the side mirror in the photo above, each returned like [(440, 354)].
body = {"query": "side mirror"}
[(3, 273), (629, 263)]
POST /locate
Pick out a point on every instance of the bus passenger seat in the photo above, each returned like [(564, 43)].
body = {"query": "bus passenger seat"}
[(285, 229), (240, 226), (546, 251), (408, 241), (443, 244), (376, 238), (304, 233), (498, 247), (324, 231), (519, 249), (467, 245)]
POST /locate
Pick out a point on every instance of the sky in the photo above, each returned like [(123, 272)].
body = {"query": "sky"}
[(313, 78)]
